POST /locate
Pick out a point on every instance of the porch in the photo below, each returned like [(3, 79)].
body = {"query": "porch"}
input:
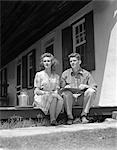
[(97, 113)]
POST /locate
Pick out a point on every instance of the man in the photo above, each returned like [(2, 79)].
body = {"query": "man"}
[(80, 79)]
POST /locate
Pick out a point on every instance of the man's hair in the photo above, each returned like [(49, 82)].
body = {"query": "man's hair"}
[(77, 55)]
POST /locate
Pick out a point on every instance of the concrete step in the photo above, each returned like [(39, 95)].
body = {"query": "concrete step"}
[(30, 112)]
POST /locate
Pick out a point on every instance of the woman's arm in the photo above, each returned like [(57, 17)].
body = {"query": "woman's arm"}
[(40, 92), (37, 85)]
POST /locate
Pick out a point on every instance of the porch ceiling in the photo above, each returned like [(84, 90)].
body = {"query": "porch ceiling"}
[(24, 22)]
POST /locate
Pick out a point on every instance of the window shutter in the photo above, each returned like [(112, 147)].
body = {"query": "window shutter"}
[(24, 71), (67, 47), (5, 77), (34, 65), (0, 83), (90, 52)]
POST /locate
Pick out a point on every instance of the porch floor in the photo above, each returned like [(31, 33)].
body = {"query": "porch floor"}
[(32, 112)]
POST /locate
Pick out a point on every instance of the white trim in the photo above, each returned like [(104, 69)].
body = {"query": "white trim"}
[(79, 22), (76, 45), (29, 67)]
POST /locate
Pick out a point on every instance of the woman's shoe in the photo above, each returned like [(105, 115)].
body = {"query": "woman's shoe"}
[(54, 123)]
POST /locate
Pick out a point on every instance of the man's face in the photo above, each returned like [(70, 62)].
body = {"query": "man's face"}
[(74, 62)]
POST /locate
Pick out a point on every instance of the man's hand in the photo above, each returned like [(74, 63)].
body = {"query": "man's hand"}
[(83, 86), (67, 86)]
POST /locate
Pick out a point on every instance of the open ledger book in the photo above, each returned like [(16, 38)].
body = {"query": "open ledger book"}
[(73, 90)]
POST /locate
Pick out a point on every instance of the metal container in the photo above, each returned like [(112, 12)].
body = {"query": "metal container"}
[(23, 98)]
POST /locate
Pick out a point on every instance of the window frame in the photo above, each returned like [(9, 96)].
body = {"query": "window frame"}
[(20, 64), (82, 20), (88, 53)]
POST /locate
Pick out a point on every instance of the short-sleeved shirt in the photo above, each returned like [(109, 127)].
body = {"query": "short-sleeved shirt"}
[(74, 80)]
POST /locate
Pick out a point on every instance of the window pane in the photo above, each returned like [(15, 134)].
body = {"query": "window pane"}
[(30, 60), (76, 30), (80, 26)]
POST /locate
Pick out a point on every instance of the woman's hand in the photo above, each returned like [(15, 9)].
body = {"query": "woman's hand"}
[(36, 91), (40, 92)]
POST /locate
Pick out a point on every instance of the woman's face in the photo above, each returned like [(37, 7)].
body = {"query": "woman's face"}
[(47, 62)]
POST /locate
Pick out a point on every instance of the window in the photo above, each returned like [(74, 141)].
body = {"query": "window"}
[(28, 69), (79, 35), (79, 39), (18, 74), (49, 46), (19, 79), (50, 49)]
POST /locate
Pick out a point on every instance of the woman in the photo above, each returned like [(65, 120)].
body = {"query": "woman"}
[(46, 85)]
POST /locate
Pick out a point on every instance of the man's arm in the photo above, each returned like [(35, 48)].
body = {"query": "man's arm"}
[(91, 82)]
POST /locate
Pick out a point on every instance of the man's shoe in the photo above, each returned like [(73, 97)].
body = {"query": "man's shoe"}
[(70, 121), (84, 120), (54, 123)]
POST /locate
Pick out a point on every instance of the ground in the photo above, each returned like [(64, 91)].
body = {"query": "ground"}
[(98, 139)]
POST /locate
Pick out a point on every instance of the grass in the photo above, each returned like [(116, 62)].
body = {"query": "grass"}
[(20, 122)]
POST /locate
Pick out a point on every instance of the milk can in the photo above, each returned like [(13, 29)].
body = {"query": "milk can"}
[(23, 98)]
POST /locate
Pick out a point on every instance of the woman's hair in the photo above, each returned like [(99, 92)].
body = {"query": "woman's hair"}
[(53, 60), (77, 55)]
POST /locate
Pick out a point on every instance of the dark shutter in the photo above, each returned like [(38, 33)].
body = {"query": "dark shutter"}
[(90, 52), (5, 82), (34, 65), (67, 46), (24, 71), (0, 83)]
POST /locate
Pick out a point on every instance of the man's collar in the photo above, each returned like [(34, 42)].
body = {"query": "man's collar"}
[(80, 71)]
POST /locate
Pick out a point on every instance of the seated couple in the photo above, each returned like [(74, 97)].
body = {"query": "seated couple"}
[(49, 93)]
